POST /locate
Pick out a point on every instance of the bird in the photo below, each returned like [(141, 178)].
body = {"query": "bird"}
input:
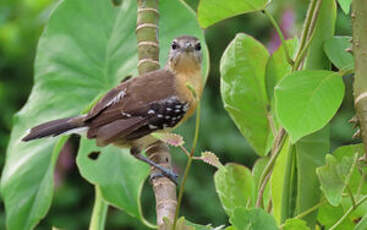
[(127, 115)]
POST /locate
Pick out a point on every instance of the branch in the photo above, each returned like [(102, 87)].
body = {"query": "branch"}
[(148, 53), (359, 22)]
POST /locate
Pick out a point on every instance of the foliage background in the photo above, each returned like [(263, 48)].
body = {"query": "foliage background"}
[(21, 23)]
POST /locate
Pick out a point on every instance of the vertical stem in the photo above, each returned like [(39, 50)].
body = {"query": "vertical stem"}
[(99, 212), (359, 22), (188, 166), (147, 35), (148, 53)]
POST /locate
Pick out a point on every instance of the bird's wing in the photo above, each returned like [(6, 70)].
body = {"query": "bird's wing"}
[(138, 107)]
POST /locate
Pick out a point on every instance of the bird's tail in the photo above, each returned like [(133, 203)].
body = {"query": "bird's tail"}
[(55, 127)]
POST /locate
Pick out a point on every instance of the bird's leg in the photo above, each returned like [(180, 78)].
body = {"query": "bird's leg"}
[(164, 171)]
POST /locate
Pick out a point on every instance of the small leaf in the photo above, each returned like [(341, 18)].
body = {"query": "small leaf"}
[(253, 219), (183, 224), (170, 138), (334, 177), (336, 50), (345, 5), (235, 186), (306, 101), (242, 69), (211, 158), (213, 11), (295, 224)]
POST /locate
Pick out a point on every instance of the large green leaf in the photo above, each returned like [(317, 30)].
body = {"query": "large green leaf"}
[(86, 49), (253, 219), (307, 100), (213, 11), (335, 49), (243, 91), (334, 177), (235, 187)]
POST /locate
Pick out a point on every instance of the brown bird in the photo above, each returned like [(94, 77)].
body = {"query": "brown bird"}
[(156, 101)]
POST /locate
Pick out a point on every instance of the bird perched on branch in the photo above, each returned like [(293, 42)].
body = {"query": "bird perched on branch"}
[(156, 101)]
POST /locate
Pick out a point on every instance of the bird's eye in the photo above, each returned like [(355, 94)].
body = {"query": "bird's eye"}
[(198, 47), (174, 46)]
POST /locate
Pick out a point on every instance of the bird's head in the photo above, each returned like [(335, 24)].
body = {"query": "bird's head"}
[(185, 54)]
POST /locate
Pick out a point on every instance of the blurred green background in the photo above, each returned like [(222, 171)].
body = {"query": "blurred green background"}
[(21, 23)]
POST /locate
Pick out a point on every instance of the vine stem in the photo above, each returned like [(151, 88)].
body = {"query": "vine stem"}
[(307, 36), (265, 176), (346, 214), (188, 165), (99, 212), (281, 36)]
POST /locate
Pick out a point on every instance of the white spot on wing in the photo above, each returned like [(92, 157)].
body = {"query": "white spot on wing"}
[(117, 98), (151, 111), (152, 126)]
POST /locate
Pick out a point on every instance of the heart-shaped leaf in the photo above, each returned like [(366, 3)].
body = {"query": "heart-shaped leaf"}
[(336, 50), (235, 187), (242, 69), (306, 101)]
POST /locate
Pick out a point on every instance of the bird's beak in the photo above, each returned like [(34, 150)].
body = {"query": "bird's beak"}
[(188, 47)]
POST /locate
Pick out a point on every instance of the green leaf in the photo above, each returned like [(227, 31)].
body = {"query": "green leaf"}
[(307, 100), (345, 5), (335, 49), (119, 175), (295, 224), (350, 151), (362, 224), (280, 183), (334, 177), (213, 11), (235, 187), (243, 91), (278, 66), (310, 154), (18, 184), (79, 57), (253, 219), (328, 215), (183, 224)]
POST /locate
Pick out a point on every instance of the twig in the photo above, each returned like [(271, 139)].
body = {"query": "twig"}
[(281, 36), (148, 53), (278, 143), (346, 214), (308, 36), (306, 27)]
